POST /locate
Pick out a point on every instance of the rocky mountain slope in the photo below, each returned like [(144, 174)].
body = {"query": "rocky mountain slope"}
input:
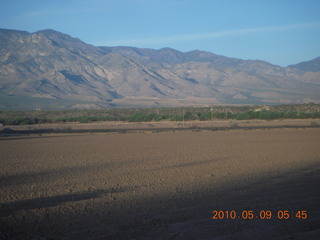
[(308, 66), (49, 69)]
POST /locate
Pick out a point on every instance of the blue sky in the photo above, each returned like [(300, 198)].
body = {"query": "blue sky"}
[(282, 32)]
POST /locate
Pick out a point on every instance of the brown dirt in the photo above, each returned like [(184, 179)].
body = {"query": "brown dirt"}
[(112, 126), (160, 185)]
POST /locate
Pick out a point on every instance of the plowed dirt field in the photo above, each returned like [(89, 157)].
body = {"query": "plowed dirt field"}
[(162, 185)]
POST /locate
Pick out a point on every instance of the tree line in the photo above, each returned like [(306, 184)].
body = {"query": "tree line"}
[(147, 116)]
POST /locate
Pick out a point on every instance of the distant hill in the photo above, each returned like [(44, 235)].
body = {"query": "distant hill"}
[(308, 66), (51, 70)]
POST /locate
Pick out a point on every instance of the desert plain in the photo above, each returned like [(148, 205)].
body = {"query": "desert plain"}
[(161, 185)]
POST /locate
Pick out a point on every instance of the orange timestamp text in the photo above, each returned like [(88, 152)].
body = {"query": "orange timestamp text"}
[(262, 214)]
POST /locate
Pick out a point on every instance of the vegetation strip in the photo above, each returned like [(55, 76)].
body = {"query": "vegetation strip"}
[(297, 111)]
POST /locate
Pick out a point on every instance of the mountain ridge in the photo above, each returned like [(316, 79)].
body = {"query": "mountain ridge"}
[(309, 66), (54, 66)]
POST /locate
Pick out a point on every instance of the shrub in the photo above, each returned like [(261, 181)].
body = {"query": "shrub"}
[(205, 116), (314, 124), (143, 117)]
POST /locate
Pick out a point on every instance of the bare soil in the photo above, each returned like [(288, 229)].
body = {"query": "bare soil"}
[(118, 126), (161, 185)]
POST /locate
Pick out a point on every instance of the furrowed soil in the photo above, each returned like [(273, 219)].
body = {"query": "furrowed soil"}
[(162, 185)]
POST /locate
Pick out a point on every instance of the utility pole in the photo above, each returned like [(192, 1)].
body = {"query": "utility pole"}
[(183, 117), (211, 115)]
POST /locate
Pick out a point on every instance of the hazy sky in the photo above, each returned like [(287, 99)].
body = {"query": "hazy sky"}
[(282, 32)]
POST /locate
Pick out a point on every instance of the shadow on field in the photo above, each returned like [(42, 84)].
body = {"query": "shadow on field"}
[(51, 175), (183, 165), (180, 215), (45, 202)]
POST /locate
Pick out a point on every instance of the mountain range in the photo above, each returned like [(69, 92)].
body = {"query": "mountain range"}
[(52, 70)]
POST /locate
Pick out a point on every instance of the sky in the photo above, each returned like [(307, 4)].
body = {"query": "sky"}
[(282, 32)]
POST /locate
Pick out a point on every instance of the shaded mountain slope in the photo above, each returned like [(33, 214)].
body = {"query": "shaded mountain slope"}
[(308, 66)]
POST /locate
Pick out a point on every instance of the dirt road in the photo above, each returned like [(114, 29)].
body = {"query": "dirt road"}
[(161, 185)]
